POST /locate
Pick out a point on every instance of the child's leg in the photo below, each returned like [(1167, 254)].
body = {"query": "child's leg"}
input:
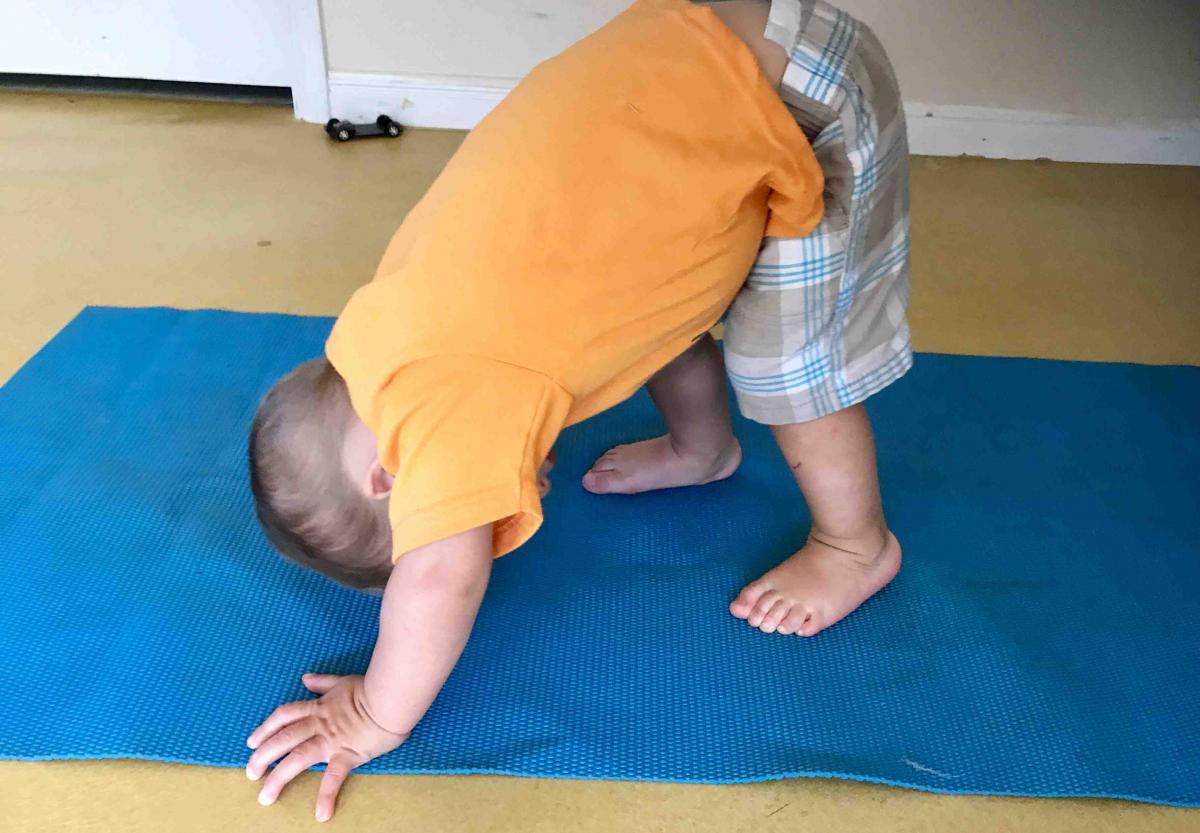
[(699, 447), (820, 325), (850, 554)]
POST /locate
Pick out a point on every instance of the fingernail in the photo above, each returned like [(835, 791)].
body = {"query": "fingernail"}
[(250, 774), (322, 815), (250, 743), (264, 800)]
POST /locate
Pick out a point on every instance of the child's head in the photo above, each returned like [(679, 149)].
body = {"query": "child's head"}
[(319, 489)]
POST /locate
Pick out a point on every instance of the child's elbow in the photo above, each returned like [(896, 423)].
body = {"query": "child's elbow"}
[(434, 570)]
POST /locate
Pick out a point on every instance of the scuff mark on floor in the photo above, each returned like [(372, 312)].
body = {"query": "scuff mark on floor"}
[(929, 769)]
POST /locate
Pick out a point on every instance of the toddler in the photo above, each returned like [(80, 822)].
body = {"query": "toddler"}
[(581, 243)]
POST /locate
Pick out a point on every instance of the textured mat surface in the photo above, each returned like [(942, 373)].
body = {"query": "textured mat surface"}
[(1042, 639)]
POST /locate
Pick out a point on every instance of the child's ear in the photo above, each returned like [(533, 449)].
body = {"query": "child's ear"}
[(379, 481)]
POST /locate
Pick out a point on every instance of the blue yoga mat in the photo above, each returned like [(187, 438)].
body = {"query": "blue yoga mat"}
[(1043, 637)]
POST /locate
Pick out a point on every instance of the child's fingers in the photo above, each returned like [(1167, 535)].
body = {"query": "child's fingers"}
[(278, 745), (331, 784), (319, 683), (276, 720), (300, 759)]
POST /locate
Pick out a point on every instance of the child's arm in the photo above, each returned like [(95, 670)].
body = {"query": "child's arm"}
[(429, 607)]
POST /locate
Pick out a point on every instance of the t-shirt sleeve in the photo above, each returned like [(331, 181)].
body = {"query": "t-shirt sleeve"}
[(796, 203), (464, 437)]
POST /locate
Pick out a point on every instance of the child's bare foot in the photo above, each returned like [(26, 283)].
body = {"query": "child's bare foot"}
[(656, 464), (818, 586)]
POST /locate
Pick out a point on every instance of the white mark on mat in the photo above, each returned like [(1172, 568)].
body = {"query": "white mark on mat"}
[(923, 768)]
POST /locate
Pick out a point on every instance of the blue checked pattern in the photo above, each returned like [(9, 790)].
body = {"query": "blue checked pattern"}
[(804, 371), (828, 136), (817, 264), (894, 259), (819, 325), (811, 369), (827, 69)]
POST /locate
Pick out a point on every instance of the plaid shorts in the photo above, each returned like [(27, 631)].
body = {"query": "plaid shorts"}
[(820, 323)]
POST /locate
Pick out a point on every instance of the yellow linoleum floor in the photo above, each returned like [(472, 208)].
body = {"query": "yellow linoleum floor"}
[(148, 202)]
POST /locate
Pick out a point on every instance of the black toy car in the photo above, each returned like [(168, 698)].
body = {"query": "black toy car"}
[(344, 131)]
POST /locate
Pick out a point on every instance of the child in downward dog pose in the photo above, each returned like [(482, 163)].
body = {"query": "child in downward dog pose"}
[(582, 242)]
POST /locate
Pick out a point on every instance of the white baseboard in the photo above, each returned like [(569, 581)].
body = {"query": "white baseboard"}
[(446, 101), (934, 130), (940, 130)]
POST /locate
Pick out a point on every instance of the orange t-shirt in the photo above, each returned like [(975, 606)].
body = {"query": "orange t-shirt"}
[(588, 230)]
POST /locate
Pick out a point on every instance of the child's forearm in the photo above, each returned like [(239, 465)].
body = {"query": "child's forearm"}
[(429, 607)]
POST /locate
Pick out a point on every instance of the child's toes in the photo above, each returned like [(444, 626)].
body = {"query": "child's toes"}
[(747, 599), (762, 608), (775, 615), (603, 482), (606, 461), (812, 625), (794, 619)]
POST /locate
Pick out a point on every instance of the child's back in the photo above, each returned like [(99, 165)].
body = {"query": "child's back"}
[(597, 222)]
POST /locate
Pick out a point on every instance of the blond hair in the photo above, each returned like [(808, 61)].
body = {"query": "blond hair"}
[(309, 508)]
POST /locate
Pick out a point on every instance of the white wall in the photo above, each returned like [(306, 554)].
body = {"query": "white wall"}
[(1132, 67), (481, 39), (1109, 60)]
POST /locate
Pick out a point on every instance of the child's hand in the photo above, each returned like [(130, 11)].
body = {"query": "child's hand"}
[(335, 729), (428, 608)]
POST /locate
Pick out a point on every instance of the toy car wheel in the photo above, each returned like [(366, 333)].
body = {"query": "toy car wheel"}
[(388, 126), (344, 134), (331, 125)]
